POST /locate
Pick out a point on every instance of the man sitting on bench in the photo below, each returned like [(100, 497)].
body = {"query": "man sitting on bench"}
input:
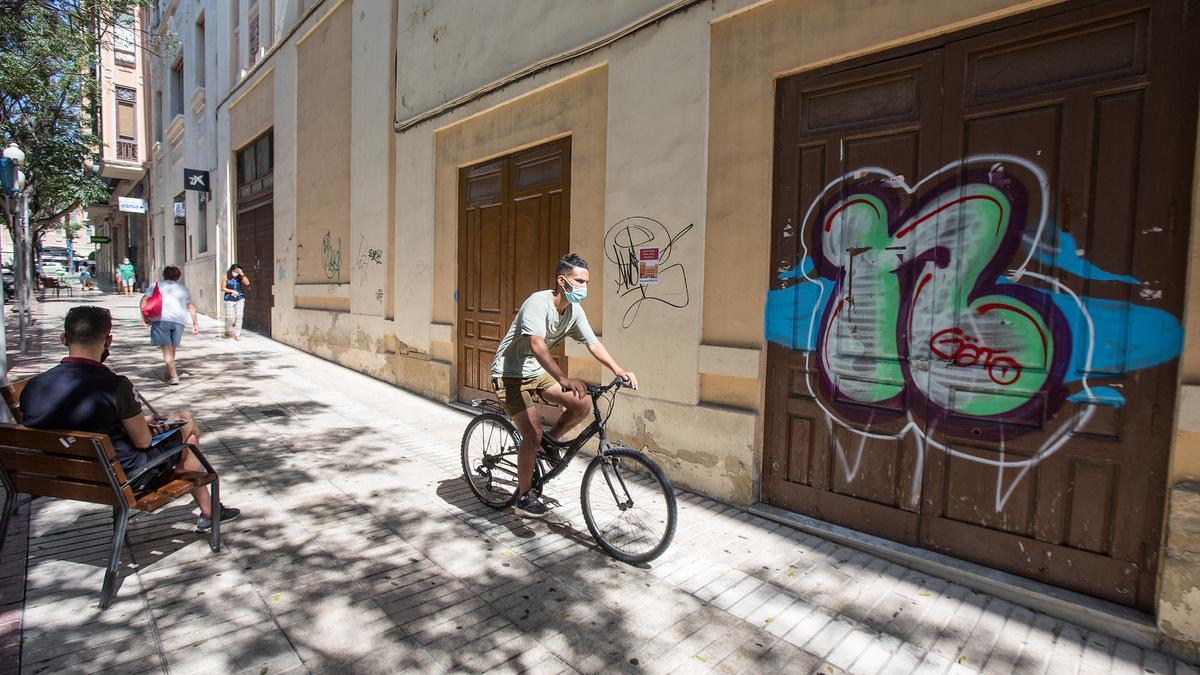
[(82, 394)]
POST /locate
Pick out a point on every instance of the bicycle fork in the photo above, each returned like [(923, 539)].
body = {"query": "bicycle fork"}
[(608, 466)]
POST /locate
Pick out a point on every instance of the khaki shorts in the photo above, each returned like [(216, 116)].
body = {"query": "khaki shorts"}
[(519, 394)]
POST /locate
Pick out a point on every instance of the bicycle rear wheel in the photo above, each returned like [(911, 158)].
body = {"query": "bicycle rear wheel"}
[(489, 459), (629, 505)]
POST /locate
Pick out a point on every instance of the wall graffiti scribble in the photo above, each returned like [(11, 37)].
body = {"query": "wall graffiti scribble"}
[(918, 304), (365, 258), (621, 243), (331, 256)]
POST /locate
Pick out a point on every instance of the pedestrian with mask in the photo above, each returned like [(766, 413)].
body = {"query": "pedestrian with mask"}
[(167, 330), (126, 276), (236, 286)]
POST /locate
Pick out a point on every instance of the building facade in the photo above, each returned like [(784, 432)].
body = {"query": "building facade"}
[(921, 274), (121, 126)]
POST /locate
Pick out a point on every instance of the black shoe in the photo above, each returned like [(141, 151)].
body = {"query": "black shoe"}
[(553, 450), (530, 507), (228, 513)]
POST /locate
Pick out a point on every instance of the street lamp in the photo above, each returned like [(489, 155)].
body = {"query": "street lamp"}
[(14, 153), (17, 204)]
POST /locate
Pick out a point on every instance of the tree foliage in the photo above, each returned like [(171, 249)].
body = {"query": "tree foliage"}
[(48, 96)]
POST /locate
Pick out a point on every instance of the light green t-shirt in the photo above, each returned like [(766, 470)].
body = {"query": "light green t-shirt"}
[(126, 271), (537, 316)]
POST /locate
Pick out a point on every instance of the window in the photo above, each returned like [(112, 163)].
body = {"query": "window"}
[(202, 224), (255, 41), (235, 45), (127, 124), (177, 88), (158, 116), (199, 55), (255, 164), (125, 41), (126, 105), (180, 207)]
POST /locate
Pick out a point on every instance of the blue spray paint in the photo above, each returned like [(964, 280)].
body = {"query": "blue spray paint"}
[(1066, 258), (1099, 396), (791, 311), (1128, 337)]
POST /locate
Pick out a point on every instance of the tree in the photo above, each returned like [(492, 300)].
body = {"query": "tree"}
[(48, 94)]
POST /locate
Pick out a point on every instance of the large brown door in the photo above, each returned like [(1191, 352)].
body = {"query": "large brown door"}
[(256, 230), (256, 255), (974, 342), (513, 227)]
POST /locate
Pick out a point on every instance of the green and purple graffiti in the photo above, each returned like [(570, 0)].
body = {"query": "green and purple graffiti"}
[(932, 302)]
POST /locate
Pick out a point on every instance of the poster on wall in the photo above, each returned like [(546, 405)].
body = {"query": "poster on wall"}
[(648, 259)]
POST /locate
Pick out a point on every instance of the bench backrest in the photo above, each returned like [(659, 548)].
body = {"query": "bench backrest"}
[(66, 464), (12, 397)]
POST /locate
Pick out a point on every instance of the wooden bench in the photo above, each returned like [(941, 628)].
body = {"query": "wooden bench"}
[(80, 466), (58, 286)]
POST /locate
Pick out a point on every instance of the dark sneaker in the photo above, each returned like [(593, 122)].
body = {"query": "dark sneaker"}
[(530, 507), (552, 449), (228, 513)]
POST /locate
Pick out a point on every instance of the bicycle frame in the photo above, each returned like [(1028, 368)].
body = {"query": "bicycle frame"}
[(597, 427)]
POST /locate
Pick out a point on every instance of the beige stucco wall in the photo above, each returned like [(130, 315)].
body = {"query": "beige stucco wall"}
[(252, 112), (323, 152)]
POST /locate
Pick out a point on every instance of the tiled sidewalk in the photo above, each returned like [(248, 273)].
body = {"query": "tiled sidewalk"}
[(362, 550)]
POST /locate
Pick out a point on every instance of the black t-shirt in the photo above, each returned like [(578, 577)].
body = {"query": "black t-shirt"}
[(82, 395)]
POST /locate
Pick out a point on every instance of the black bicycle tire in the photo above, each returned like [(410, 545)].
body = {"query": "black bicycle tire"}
[(659, 476), (466, 467)]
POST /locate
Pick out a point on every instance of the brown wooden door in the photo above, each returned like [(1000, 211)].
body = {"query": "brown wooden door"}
[(974, 342), (256, 254), (514, 216)]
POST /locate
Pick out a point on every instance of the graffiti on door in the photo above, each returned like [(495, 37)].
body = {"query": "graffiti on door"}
[(923, 300)]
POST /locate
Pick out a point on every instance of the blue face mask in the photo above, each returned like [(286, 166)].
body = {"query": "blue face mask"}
[(574, 295)]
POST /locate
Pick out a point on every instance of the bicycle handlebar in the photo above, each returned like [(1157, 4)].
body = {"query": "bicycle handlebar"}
[(595, 391)]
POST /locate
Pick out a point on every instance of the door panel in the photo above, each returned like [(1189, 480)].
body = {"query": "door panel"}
[(974, 329), (514, 216), (256, 254), (839, 450)]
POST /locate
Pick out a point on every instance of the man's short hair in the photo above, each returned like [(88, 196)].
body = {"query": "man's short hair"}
[(171, 273), (87, 324), (569, 262)]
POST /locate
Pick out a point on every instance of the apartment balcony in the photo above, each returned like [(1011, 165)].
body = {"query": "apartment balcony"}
[(123, 161), (127, 151)]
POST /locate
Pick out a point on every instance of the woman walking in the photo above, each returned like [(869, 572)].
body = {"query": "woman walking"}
[(236, 285), (167, 330)]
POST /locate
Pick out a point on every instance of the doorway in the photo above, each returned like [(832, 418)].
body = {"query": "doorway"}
[(964, 355), (513, 226)]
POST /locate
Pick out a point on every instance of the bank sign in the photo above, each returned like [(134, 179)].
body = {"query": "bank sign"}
[(131, 204), (195, 179)]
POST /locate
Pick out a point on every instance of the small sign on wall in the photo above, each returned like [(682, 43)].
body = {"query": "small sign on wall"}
[(195, 179), (131, 205), (648, 259)]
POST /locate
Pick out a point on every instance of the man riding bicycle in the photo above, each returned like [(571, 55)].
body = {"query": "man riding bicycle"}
[(524, 371)]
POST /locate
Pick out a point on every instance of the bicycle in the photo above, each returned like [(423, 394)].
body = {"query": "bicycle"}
[(631, 513)]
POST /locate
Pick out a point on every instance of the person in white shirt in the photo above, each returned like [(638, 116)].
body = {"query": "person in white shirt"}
[(167, 330)]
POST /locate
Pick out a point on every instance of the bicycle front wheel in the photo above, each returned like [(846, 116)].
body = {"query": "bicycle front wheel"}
[(629, 505), (489, 459)]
